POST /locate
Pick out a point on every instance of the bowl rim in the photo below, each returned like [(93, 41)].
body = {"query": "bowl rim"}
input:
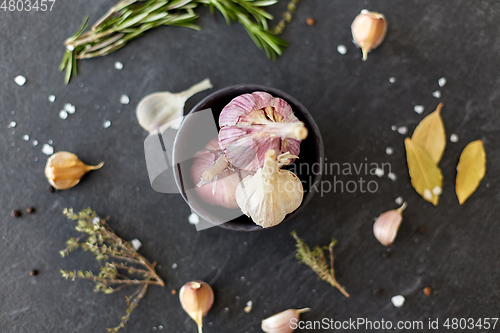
[(276, 93)]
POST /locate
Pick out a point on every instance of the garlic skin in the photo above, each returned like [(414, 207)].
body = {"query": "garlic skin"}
[(252, 124), (166, 108), (387, 224), (217, 182), (64, 170), (196, 299), (269, 195), (368, 30), (281, 322)]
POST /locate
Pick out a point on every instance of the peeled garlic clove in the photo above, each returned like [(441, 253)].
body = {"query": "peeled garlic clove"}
[(196, 299), (252, 124), (282, 322), (387, 224), (368, 30), (269, 195), (166, 108), (64, 170), (216, 185)]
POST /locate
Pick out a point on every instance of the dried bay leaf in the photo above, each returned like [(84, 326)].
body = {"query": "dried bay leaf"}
[(426, 177), (470, 170), (430, 134)]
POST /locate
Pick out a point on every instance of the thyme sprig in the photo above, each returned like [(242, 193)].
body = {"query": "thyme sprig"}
[(124, 266), (129, 19), (316, 259)]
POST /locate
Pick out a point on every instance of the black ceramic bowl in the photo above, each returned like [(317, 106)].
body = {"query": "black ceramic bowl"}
[(311, 152)]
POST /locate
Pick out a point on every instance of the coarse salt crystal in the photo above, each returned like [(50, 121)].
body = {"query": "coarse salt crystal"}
[(106, 124), (50, 142), (402, 130), (341, 49), (379, 172), (96, 220), (63, 114), (35, 142), (248, 307), (136, 244), (442, 82), (47, 149), (392, 79), (454, 138), (392, 176), (52, 98), (174, 265), (20, 80), (70, 108), (437, 190), (124, 99), (26, 137), (427, 194), (12, 124), (194, 219), (118, 65), (394, 127), (389, 151), (399, 200), (418, 109), (398, 301), (437, 94)]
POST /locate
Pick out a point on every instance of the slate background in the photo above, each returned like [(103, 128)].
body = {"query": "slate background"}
[(355, 107)]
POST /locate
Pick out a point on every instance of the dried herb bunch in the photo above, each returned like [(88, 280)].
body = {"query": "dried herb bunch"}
[(123, 266), (316, 259), (129, 19)]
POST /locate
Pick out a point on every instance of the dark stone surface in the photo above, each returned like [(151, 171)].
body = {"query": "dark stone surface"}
[(355, 107)]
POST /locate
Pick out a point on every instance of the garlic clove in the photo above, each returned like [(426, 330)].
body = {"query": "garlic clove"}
[(269, 195), (281, 322), (368, 30), (252, 124), (387, 224), (64, 170), (196, 299), (166, 108)]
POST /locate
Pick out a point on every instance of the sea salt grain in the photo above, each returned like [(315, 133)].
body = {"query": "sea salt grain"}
[(392, 176), (437, 190), (47, 149), (35, 142), (96, 220), (136, 244), (394, 127), (20, 80), (398, 301), (442, 82), (437, 94), (392, 79), (399, 200), (389, 151), (402, 130), (249, 306), (118, 65), (418, 109), (427, 194), (174, 265), (106, 124), (341, 49), (70, 108), (12, 124), (52, 98), (63, 114), (124, 99), (26, 137), (379, 172), (454, 138), (194, 219)]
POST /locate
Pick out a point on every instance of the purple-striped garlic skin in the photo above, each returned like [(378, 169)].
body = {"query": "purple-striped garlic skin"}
[(221, 189), (252, 124)]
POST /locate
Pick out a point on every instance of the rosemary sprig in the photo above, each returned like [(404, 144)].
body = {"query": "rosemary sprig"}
[(317, 261), (129, 19), (123, 267)]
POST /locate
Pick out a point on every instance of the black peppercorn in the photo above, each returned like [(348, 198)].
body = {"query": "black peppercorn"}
[(30, 210), (34, 272), (15, 213)]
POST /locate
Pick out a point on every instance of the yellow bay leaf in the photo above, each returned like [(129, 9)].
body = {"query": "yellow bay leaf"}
[(430, 134), (426, 177), (470, 170)]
